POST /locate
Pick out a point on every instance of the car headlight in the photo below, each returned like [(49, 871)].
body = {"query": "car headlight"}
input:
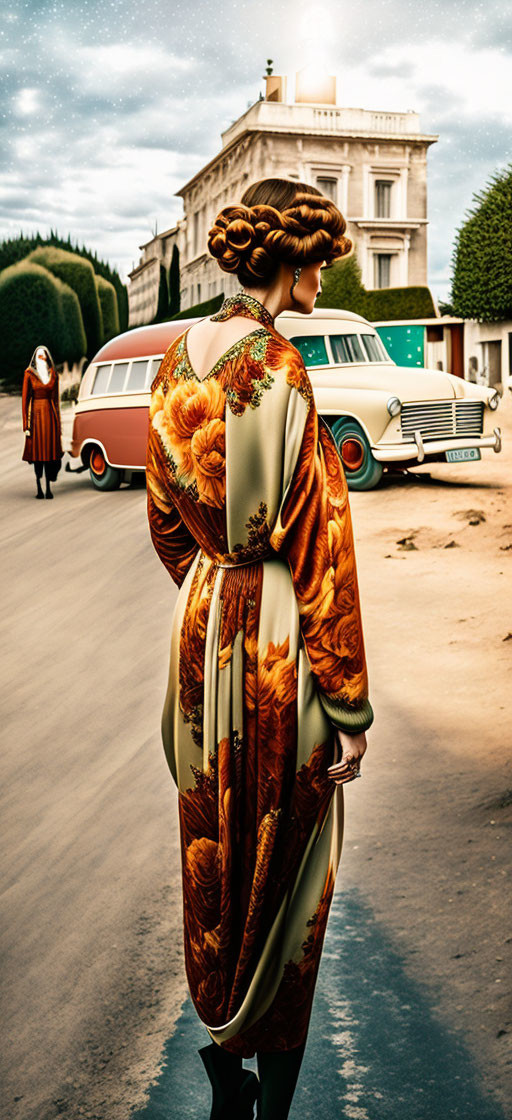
[(494, 400), (394, 406)]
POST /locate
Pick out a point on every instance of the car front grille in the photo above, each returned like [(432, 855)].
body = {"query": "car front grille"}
[(442, 419)]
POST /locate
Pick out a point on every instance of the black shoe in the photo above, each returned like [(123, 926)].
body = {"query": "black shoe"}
[(39, 494), (279, 1071), (48, 492), (235, 1089)]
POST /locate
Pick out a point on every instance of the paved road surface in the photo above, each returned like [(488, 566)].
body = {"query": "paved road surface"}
[(413, 999)]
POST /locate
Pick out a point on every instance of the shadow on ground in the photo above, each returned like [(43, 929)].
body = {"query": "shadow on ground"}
[(375, 1049)]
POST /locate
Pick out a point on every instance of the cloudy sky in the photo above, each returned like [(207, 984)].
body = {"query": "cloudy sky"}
[(108, 107)]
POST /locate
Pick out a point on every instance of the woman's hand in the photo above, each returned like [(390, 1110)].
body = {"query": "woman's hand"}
[(350, 750)]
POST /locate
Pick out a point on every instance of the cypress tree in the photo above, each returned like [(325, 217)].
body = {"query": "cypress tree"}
[(174, 283), (482, 272)]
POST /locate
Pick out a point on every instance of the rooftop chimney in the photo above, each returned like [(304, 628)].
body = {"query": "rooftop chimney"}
[(275, 86)]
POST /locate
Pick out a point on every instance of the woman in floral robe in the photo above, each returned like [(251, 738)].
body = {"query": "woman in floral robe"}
[(248, 510)]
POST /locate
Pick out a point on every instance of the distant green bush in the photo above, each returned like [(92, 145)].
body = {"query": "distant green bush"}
[(70, 393), (414, 302), (36, 309), (109, 308), (73, 342), (79, 274), (342, 287), (209, 307), (16, 248)]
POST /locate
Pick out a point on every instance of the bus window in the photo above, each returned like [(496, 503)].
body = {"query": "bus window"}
[(347, 348), (137, 376), (312, 349), (101, 379), (374, 347), (116, 383)]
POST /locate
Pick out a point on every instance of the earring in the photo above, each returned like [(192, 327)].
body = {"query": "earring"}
[(296, 275)]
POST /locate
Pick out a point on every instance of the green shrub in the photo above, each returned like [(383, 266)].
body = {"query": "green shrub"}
[(413, 302), (342, 287), (16, 248), (79, 274), (482, 256), (31, 315), (109, 308), (209, 307), (70, 393), (73, 342)]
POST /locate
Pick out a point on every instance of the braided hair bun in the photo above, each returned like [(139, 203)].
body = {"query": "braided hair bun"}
[(253, 240)]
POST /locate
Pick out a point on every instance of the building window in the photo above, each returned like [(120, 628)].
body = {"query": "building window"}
[(199, 293), (328, 187), (195, 249), (382, 198), (382, 270)]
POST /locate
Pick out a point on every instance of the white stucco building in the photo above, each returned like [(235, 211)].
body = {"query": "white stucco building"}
[(373, 164)]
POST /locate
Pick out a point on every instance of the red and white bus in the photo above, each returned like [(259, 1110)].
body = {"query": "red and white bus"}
[(381, 414), (110, 427)]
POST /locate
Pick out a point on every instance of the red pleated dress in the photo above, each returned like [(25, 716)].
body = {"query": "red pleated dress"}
[(41, 415)]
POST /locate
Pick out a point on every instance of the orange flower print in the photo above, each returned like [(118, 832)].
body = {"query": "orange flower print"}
[(208, 448), (157, 401), (189, 420)]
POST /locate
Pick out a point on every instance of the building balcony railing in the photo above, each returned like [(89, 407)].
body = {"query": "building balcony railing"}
[(282, 117)]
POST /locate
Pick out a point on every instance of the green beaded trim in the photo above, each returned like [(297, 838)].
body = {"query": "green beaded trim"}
[(241, 303)]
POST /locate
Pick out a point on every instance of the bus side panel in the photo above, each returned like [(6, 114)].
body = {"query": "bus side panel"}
[(123, 432)]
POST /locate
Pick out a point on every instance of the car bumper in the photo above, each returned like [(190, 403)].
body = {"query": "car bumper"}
[(420, 449)]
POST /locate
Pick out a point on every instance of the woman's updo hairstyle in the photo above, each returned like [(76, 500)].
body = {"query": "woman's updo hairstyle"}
[(277, 220)]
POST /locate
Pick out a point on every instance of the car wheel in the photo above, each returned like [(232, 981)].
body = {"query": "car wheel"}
[(103, 476), (362, 471)]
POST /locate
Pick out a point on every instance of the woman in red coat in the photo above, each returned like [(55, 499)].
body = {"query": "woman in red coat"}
[(41, 418)]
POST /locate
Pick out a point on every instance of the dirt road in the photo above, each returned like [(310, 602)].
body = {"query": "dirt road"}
[(93, 974)]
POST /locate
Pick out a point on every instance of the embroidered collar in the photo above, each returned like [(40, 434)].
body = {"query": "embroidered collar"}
[(241, 303)]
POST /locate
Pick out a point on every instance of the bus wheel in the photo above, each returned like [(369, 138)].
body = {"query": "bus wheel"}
[(362, 471), (103, 476)]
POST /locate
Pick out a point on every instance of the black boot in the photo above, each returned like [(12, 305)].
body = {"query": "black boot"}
[(235, 1089), (38, 468), (47, 475), (278, 1072)]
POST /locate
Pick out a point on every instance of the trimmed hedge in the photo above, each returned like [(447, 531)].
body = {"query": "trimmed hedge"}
[(342, 287), (414, 302), (482, 257), (73, 338), (109, 309), (36, 309), (79, 274), (16, 248), (209, 307)]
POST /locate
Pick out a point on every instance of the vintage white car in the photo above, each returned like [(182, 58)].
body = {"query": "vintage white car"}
[(382, 414)]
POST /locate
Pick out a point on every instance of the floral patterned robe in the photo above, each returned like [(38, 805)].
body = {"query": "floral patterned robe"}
[(248, 510)]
